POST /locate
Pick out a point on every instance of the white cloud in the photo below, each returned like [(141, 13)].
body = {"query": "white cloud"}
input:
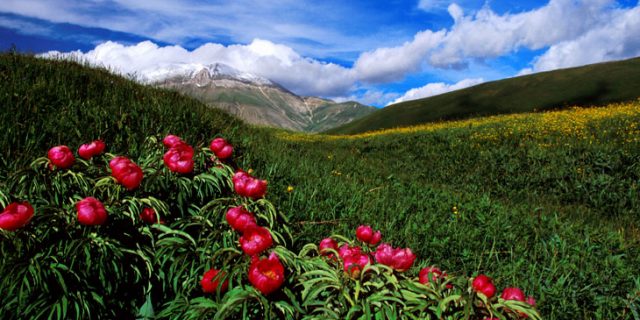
[(369, 97), (279, 63), (433, 89), (431, 5), (614, 40)]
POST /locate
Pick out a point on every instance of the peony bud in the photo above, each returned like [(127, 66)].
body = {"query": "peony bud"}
[(531, 301), (266, 275), (364, 233), (326, 244), (91, 212), (148, 215), (355, 263), (16, 215), (484, 285), (240, 219), (179, 158), (171, 141), (61, 157), (512, 294), (255, 240), (89, 150), (221, 148), (126, 172), (211, 281)]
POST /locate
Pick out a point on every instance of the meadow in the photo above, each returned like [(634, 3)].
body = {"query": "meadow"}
[(548, 201)]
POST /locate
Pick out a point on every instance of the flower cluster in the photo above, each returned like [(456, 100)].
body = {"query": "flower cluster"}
[(355, 259), (484, 285)]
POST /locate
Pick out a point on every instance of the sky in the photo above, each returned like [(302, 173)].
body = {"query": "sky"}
[(372, 51)]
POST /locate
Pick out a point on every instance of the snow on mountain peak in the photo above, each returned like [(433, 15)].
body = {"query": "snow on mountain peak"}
[(193, 70)]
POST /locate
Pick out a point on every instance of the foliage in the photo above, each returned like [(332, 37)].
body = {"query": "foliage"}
[(551, 212)]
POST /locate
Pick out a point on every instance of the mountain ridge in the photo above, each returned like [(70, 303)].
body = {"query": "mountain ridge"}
[(255, 99)]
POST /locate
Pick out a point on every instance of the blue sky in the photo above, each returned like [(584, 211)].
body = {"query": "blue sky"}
[(376, 52)]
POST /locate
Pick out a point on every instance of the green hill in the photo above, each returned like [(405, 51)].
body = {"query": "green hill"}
[(546, 202), (594, 84)]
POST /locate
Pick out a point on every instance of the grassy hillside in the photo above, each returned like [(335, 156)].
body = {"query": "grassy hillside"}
[(589, 85), (545, 201)]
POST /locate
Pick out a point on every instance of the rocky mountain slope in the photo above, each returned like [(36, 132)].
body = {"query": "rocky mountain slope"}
[(255, 99)]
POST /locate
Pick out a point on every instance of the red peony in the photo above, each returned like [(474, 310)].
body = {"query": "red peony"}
[(266, 275), (436, 275), (366, 234), (89, 150), (61, 157), (171, 141), (240, 219), (531, 301), (221, 148), (148, 215), (211, 281), (16, 215), (91, 212), (396, 258), (179, 158), (355, 263), (512, 294), (347, 250), (484, 285), (255, 240), (326, 244), (126, 172), (248, 186)]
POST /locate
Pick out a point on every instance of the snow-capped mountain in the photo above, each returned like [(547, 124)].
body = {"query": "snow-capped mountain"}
[(255, 99)]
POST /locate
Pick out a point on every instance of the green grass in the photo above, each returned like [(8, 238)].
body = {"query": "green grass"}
[(526, 216), (589, 85)]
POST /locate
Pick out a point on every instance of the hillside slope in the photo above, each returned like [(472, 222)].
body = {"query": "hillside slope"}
[(588, 85)]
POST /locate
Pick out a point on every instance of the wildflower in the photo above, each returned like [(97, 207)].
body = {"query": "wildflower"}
[(266, 275), (126, 172), (61, 157), (255, 240), (240, 219), (210, 282), (91, 212), (484, 285), (89, 150), (366, 234), (15, 216), (221, 148)]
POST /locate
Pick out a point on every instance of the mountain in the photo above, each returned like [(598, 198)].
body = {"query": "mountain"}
[(255, 99), (594, 84)]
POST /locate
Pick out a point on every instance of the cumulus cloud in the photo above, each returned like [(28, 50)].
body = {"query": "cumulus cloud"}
[(614, 40), (433, 89), (276, 62)]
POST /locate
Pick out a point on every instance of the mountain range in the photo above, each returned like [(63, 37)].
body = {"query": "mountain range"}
[(255, 99)]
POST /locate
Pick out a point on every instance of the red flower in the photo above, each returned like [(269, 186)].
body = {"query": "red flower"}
[(91, 212), (126, 172), (346, 250), (255, 240), (88, 150), (531, 301), (396, 258), (148, 215), (355, 263), (436, 275), (171, 141), (179, 158), (248, 186), (484, 285), (512, 294), (366, 234), (240, 219), (61, 157), (266, 275), (221, 148), (326, 244), (211, 281), (16, 215)]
